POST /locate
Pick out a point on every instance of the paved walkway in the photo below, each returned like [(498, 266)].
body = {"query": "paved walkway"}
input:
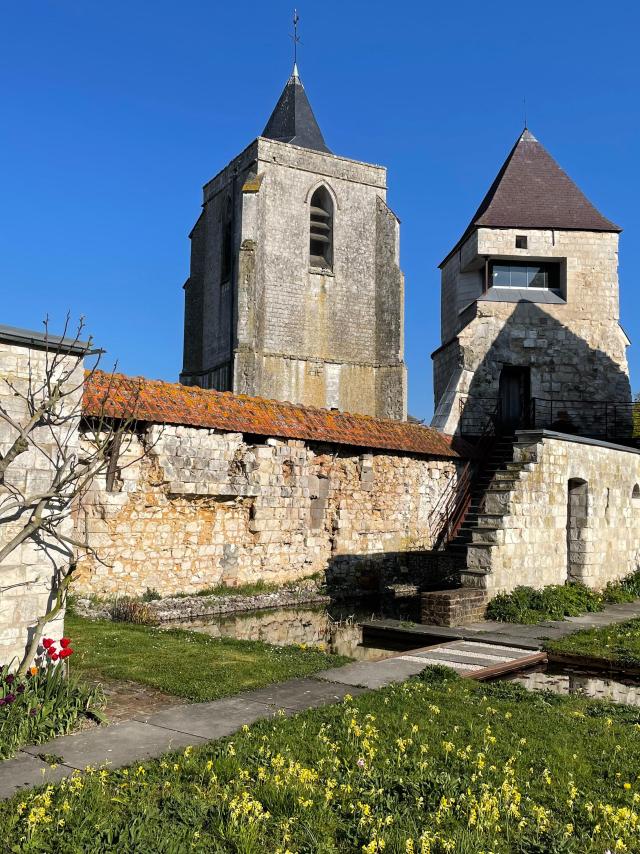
[(149, 736), (513, 634), (151, 733)]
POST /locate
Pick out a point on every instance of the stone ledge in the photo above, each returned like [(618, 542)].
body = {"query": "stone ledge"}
[(189, 607), (526, 437)]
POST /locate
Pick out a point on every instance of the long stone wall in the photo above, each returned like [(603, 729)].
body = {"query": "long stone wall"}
[(204, 508), (565, 511)]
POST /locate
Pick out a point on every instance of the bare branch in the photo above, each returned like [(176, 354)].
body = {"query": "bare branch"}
[(34, 503)]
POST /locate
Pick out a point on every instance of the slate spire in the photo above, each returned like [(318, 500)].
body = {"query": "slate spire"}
[(532, 191), (292, 119)]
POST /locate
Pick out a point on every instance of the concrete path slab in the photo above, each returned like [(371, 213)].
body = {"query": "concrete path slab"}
[(584, 625), (374, 674), (623, 608), (27, 771), (298, 694), (116, 745), (209, 721)]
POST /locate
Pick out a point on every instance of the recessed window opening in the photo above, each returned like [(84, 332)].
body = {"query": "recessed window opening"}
[(577, 528), (521, 241), (321, 230), (512, 274), (227, 243), (635, 497)]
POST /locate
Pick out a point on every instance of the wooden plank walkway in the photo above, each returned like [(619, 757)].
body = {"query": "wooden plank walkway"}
[(476, 660)]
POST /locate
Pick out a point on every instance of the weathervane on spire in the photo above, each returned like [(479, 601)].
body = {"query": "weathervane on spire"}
[(296, 41)]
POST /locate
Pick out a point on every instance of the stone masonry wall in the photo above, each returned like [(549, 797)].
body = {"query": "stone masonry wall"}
[(27, 576), (205, 508), (531, 533)]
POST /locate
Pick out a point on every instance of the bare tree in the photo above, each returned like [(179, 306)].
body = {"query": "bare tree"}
[(42, 414)]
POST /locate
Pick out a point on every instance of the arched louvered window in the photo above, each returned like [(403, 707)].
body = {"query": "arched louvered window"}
[(321, 230), (635, 497)]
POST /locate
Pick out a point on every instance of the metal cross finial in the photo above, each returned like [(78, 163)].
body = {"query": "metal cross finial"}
[(524, 105), (296, 39)]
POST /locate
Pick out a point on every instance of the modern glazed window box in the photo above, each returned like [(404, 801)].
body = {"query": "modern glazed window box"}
[(542, 276)]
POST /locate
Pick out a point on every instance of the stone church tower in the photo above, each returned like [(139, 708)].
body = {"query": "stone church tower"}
[(530, 310), (295, 290)]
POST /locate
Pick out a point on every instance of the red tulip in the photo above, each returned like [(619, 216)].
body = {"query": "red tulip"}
[(65, 652), (47, 642), (65, 642), (54, 656), (51, 651)]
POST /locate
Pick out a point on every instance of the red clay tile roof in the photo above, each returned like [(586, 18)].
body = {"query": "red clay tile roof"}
[(532, 191), (119, 396)]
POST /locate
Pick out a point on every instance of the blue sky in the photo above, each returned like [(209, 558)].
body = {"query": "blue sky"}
[(114, 115)]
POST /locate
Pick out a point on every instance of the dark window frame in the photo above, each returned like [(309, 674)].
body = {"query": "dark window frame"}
[(550, 269), (321, 220), (226, 246)]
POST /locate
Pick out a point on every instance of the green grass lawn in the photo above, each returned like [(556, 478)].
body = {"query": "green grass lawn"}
[(446, 765), (618, 644), (187, 664), (557, 601)]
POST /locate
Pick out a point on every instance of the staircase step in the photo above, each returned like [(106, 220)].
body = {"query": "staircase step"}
[(495, 474), (456, 548)]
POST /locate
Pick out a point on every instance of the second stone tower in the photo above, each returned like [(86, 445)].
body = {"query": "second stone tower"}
[(295, 290)]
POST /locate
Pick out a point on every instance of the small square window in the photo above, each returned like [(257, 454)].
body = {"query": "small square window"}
[(521, 241)]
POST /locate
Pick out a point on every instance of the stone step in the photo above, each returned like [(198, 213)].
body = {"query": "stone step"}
[(487, 546), (456, 548), (474, 574), (491, 520), (501, 486), (486, 536)]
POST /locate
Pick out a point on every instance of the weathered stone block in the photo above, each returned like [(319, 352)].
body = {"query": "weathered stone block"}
[(459, 607)]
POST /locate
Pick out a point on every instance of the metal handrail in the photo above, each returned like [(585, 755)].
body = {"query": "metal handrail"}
[(595, 418), (449, 512)]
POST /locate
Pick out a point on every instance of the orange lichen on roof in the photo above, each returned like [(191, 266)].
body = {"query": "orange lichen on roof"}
[(119, 396)]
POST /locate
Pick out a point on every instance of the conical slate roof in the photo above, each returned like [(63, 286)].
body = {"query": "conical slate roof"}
[(532, 191), (293, 120)]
